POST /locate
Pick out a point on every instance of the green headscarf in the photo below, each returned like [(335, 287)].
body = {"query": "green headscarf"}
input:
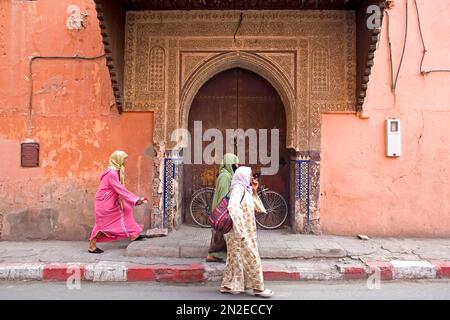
[(116, 162), (223, 181)]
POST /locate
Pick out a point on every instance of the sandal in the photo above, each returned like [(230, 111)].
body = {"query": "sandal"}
[(140, 237), (267, 293), (97, 250), (211, 258), (226, 290)]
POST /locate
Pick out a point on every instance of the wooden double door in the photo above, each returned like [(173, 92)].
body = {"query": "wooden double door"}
[(237, 98)]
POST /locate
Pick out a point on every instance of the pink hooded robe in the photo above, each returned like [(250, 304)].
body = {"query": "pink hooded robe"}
[(110, 219)]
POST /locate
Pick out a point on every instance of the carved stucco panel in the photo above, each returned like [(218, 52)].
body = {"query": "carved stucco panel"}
[(285, 62), (191, 61), (150, 70), (156, 71), (171, 120), (315, 52), (303, 94), (130, 57), (350, 60)]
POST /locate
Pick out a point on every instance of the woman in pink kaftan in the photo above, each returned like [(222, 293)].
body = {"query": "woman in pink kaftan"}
[(114, 206)]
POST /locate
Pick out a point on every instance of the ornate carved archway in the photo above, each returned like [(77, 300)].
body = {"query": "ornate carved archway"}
[(246, 60), (309, 57)]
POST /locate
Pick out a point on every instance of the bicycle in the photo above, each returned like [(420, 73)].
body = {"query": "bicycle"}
[(276, 207), (200, 206)]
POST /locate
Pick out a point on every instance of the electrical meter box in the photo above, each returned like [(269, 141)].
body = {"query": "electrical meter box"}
[(393, 137)]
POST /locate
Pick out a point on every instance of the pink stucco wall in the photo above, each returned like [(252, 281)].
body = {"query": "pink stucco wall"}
[(363, 191)]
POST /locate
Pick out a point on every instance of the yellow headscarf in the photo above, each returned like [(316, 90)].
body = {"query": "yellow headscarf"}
[(116, 162)]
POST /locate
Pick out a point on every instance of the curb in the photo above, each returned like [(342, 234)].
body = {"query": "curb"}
[(200, 272)]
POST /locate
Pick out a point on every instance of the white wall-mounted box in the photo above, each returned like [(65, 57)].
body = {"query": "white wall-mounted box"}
[(393, 137)]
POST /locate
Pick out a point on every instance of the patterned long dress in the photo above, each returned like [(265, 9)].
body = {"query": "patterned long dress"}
[(243, 269)]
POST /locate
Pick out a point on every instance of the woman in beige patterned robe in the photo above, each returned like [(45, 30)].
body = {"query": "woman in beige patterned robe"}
[(243, 269)]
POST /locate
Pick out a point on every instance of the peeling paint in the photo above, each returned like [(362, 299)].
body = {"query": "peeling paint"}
[(72, 123)]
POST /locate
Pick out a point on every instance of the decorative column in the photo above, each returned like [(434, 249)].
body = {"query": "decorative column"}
[(167, 186), (314, 192), (172, 195), (305, 168), (300, 193), (156, 221)]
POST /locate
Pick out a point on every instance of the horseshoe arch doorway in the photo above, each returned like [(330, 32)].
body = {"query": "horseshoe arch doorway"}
[(237, 98)]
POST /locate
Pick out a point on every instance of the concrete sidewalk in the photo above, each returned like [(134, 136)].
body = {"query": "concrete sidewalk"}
[(180, 257), (192, 242)]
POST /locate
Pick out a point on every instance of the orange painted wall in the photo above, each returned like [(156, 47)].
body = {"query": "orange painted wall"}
[(73, 118), (363, 191)]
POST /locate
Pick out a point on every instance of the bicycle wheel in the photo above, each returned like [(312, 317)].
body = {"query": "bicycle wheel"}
[(200, 206), (277, 210)]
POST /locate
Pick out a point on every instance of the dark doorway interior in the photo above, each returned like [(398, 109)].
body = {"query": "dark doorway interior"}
[(237, 98)]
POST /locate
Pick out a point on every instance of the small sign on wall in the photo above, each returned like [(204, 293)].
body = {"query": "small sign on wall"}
[(29, 154)]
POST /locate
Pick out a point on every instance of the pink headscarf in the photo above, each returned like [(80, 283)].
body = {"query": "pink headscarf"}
[(242, 177)]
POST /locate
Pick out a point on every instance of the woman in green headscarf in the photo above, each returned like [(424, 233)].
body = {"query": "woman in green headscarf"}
[(114, 206), (218, 249)]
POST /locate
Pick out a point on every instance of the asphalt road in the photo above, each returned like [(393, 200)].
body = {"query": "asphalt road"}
[(421, 290)]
